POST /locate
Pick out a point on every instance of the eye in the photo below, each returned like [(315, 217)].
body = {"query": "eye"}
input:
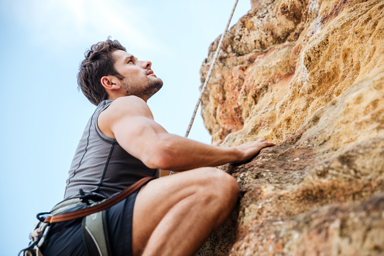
[(130, 61)]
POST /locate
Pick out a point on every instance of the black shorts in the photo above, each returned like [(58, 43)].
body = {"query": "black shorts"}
[(69, 240)]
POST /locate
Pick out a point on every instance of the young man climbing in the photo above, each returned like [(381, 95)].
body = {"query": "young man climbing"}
[(121, 144)]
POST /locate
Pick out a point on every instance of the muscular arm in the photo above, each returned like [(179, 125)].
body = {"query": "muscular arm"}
[(130, 121)]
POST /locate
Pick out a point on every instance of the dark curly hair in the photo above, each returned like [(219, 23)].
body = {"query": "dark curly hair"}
[(98, 62)]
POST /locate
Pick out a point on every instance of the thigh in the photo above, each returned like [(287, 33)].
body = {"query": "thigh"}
[(156, 198), (68, 241), (120, 226)]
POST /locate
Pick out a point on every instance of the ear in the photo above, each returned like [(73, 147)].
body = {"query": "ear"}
[(109, 83)]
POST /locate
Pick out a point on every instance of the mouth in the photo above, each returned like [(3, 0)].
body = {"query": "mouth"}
[(150, 72)]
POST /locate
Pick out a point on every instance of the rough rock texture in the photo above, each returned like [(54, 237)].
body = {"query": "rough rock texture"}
[(309, 76)]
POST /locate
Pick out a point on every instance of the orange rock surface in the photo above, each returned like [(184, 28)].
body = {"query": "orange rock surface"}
[(309, 76)]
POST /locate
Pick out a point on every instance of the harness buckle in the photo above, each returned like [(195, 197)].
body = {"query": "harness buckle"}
[(85, 197)]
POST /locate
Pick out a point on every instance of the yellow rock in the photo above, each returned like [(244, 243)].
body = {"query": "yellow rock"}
[(309, 76)]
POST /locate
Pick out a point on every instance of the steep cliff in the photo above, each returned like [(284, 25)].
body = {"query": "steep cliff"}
[(309, 76)]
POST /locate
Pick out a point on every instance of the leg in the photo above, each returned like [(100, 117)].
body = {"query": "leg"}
[(174, 215)]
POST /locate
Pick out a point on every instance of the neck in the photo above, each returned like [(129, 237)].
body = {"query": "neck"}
[(113, 97)]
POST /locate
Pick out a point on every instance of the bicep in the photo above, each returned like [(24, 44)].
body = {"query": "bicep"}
[(137, 135)]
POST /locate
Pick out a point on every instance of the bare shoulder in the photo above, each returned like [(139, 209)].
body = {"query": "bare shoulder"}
[(120, 109), (125, 107)]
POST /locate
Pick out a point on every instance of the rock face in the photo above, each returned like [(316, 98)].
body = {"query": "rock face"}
[(309, 76)]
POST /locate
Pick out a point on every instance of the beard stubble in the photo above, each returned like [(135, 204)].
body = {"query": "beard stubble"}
[(143, 89)]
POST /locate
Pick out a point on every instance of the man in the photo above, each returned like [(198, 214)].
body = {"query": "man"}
[(122, 143)]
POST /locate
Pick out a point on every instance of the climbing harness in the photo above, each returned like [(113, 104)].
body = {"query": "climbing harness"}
[(95, 234), (209, 73), (94, 225)]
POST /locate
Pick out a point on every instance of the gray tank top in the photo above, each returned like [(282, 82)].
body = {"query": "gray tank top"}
[(100, 165)]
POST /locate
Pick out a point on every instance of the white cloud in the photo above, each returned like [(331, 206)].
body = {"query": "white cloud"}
[(56, 23)]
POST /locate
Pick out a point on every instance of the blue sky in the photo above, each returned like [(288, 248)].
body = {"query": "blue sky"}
[(42, 112)]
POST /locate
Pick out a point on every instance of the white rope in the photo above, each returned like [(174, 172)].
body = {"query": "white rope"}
[(210, 71)]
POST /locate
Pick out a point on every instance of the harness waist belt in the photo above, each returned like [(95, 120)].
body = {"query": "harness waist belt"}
[(99, 206)]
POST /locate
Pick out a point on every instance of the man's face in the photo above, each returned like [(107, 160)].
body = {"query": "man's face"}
[(139, 79)]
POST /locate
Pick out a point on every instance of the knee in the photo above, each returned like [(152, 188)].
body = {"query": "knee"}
[(223, 185), (224, 180)]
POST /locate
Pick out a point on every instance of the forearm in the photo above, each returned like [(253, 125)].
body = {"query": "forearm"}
[(180, 153)]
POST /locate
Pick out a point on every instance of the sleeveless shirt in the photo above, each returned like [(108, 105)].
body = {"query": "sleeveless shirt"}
[(100, 165)]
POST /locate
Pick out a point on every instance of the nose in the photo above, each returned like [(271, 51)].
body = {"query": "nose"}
[(146, 64)]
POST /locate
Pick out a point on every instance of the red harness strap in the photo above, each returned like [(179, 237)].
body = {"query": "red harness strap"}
[(98, 206)]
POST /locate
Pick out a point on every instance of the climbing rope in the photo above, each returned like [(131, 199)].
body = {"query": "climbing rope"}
[(209, 73)]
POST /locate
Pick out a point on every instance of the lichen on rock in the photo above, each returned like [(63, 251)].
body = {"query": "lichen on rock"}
[(309, 76)]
